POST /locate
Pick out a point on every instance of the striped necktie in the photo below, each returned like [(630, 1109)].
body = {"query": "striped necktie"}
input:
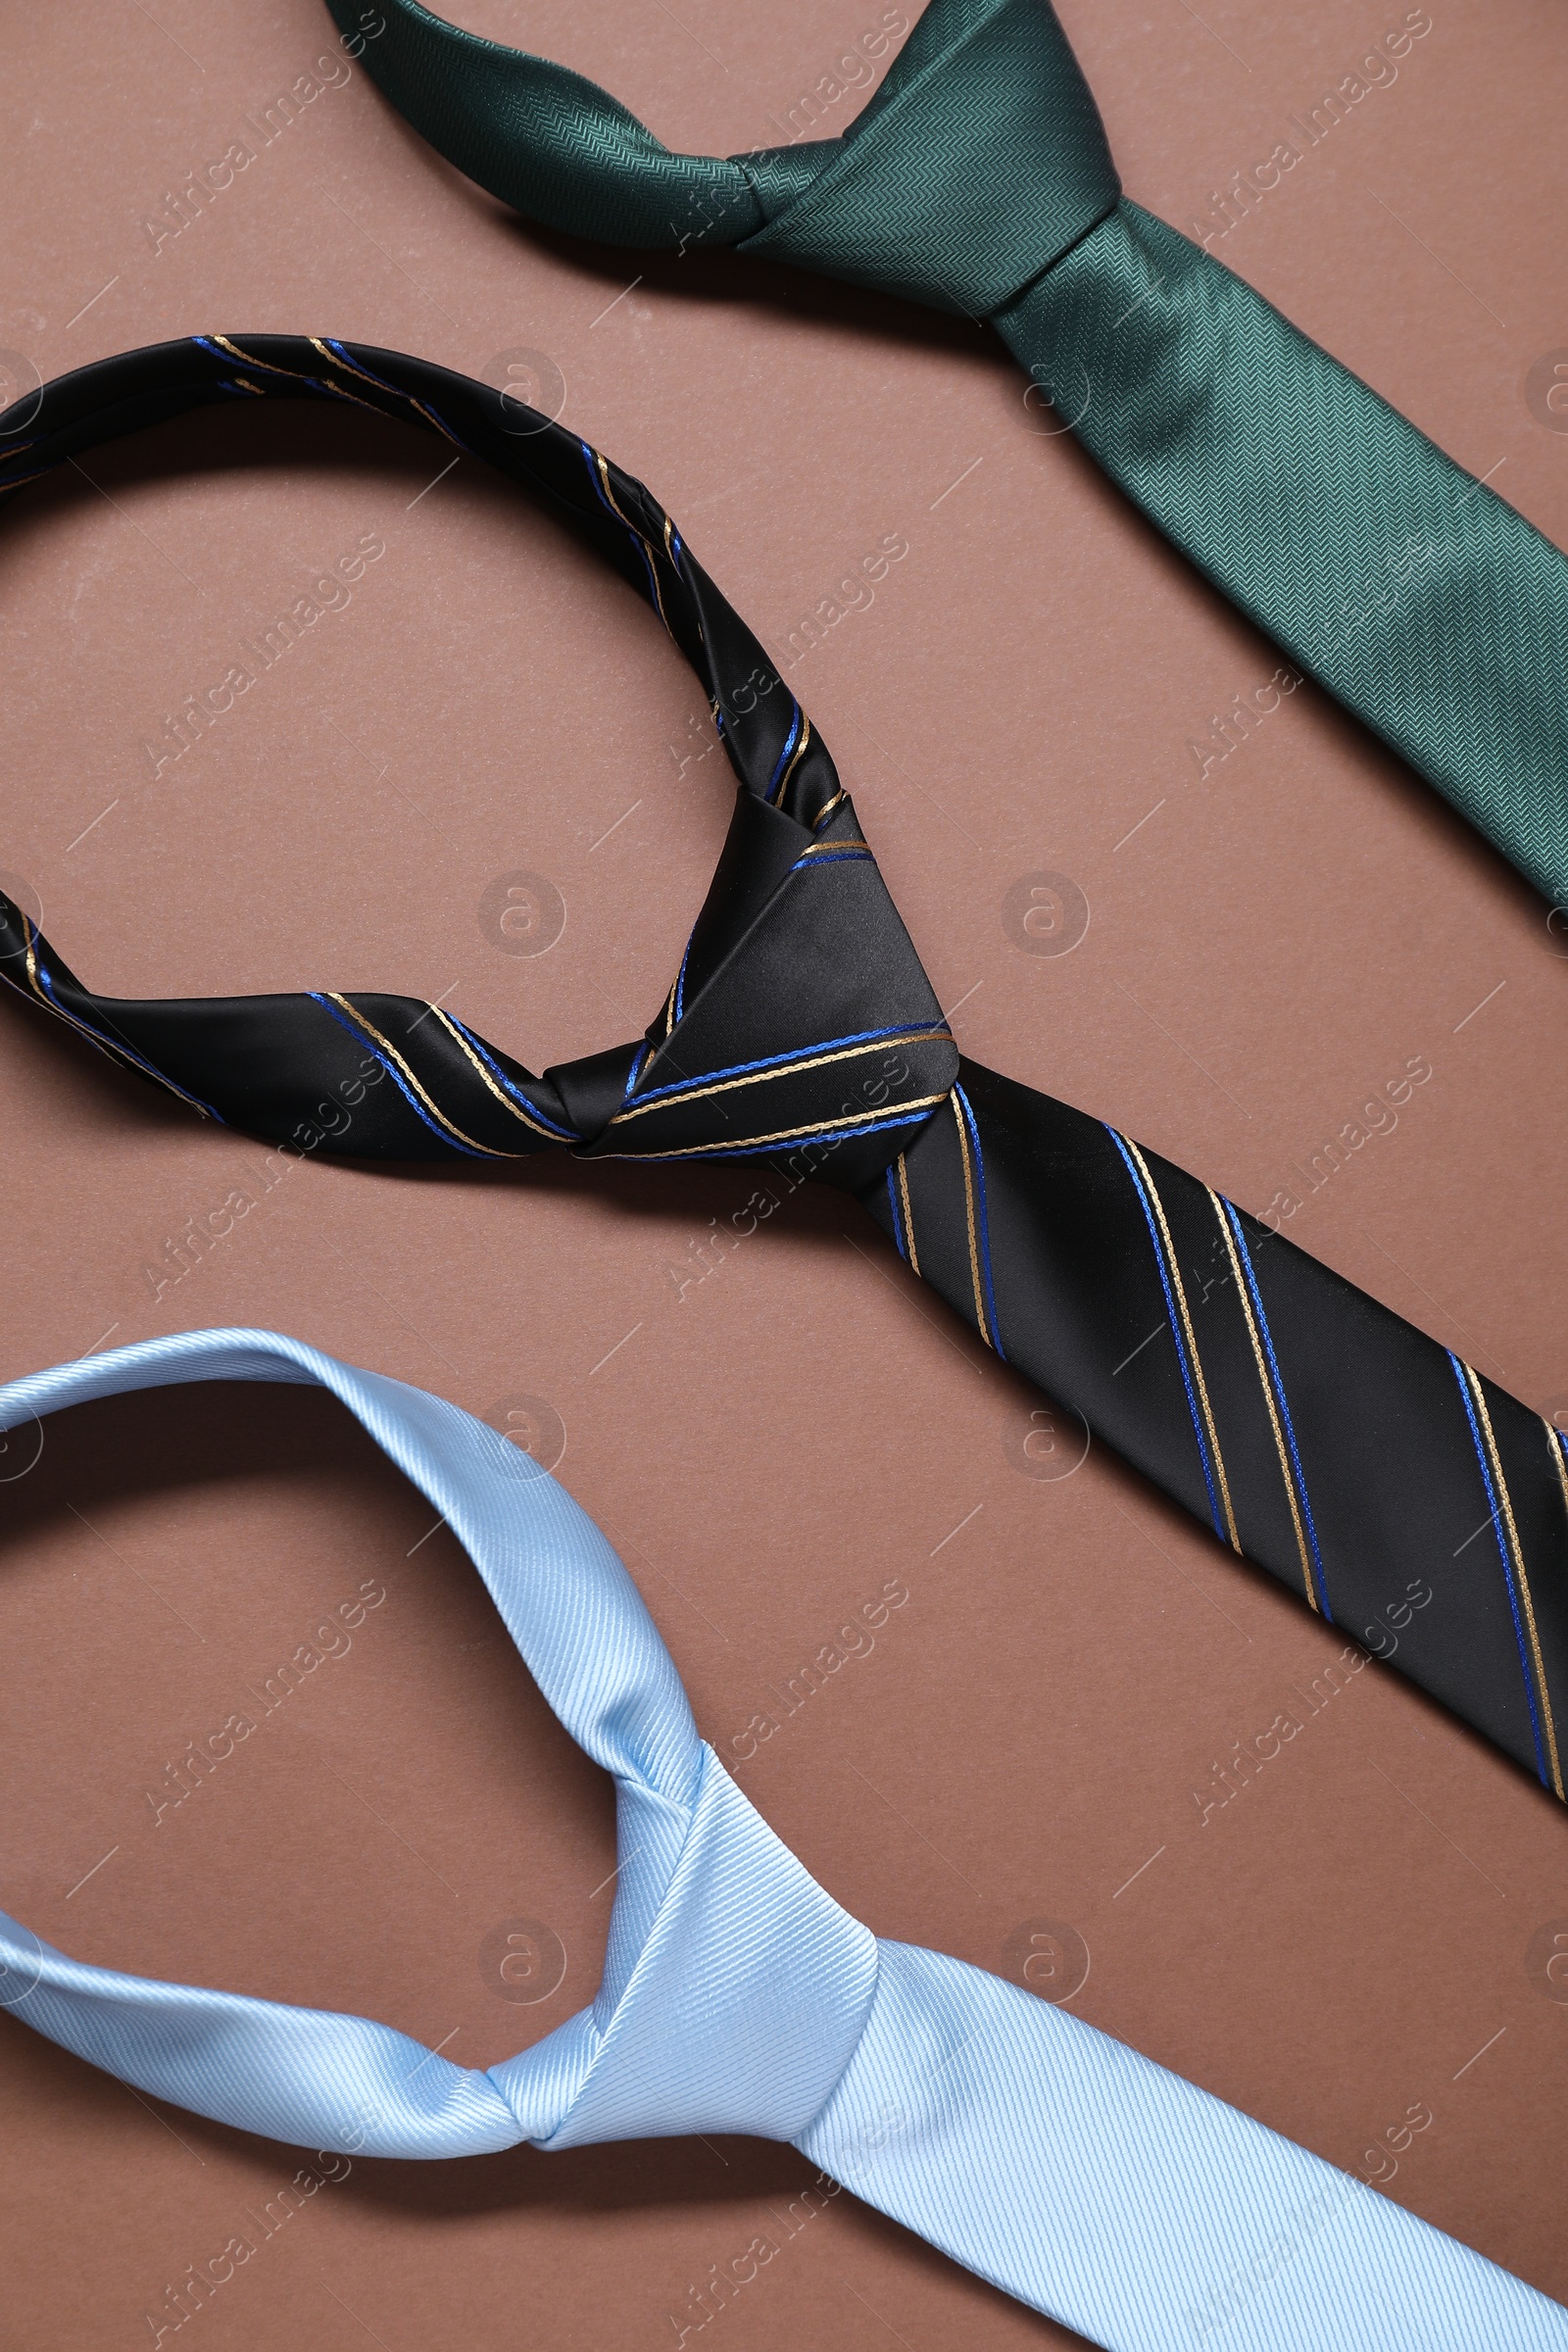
[(978, 179), (1412, 1504), (738, 1996)]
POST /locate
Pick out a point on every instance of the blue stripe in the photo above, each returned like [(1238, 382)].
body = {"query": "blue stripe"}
[(111, 1045), (829, 858), (893, 1203), (352, 360), (1284, 1406), (1175, 1327), (1507, 1564), (788, 746), (637, 1060), (773, 1061), (599, 487), (681, 980), (985, 1228), (567, 1135), (398, 1080)]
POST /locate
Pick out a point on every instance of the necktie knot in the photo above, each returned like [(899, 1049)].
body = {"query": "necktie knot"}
[(800, 1020), (979, 161), (732, 2000)]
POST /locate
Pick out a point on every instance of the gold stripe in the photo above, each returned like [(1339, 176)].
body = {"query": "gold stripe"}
[(825, 849), (981, 1324), (499, 1092), (338, 393), (909, 1213), (1175, 1273), (727, 1086), (388, 1047), (1268, 1398), (428, 414), (785, 1135), (824, 812), (1556, 1455), (1516, 1552), (20, 478), (642, 536), (235, 352), (800, 753), (292, 375), (668, 533), (669, 1006), (32, 963)]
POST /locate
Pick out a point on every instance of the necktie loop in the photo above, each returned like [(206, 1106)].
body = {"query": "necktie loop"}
[(799, 1021), (735, 1989)]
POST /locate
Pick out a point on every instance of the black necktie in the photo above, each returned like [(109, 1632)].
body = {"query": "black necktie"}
[(1412, 1504)]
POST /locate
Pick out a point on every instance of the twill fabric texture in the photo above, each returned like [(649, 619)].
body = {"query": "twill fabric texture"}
[(739, 1996), (977, 178), (1413, 1505)]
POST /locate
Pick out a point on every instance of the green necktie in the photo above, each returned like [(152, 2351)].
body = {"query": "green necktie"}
[(978, 179)]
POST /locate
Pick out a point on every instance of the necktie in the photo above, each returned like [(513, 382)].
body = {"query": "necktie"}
[(978, 179), (1411, 1503), (738, 1996)]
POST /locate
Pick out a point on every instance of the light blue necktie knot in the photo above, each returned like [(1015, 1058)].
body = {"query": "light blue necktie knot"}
[(743, 2006)]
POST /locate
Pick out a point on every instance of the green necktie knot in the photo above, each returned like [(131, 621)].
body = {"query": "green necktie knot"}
[(980, 160)]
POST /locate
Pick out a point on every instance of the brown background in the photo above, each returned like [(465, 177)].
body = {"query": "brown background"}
[(1273, 944)]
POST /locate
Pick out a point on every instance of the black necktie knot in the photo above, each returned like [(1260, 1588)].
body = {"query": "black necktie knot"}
[(799, 1023)]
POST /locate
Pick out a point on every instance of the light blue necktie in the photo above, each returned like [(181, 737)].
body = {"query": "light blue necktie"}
[(738, 1996)]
